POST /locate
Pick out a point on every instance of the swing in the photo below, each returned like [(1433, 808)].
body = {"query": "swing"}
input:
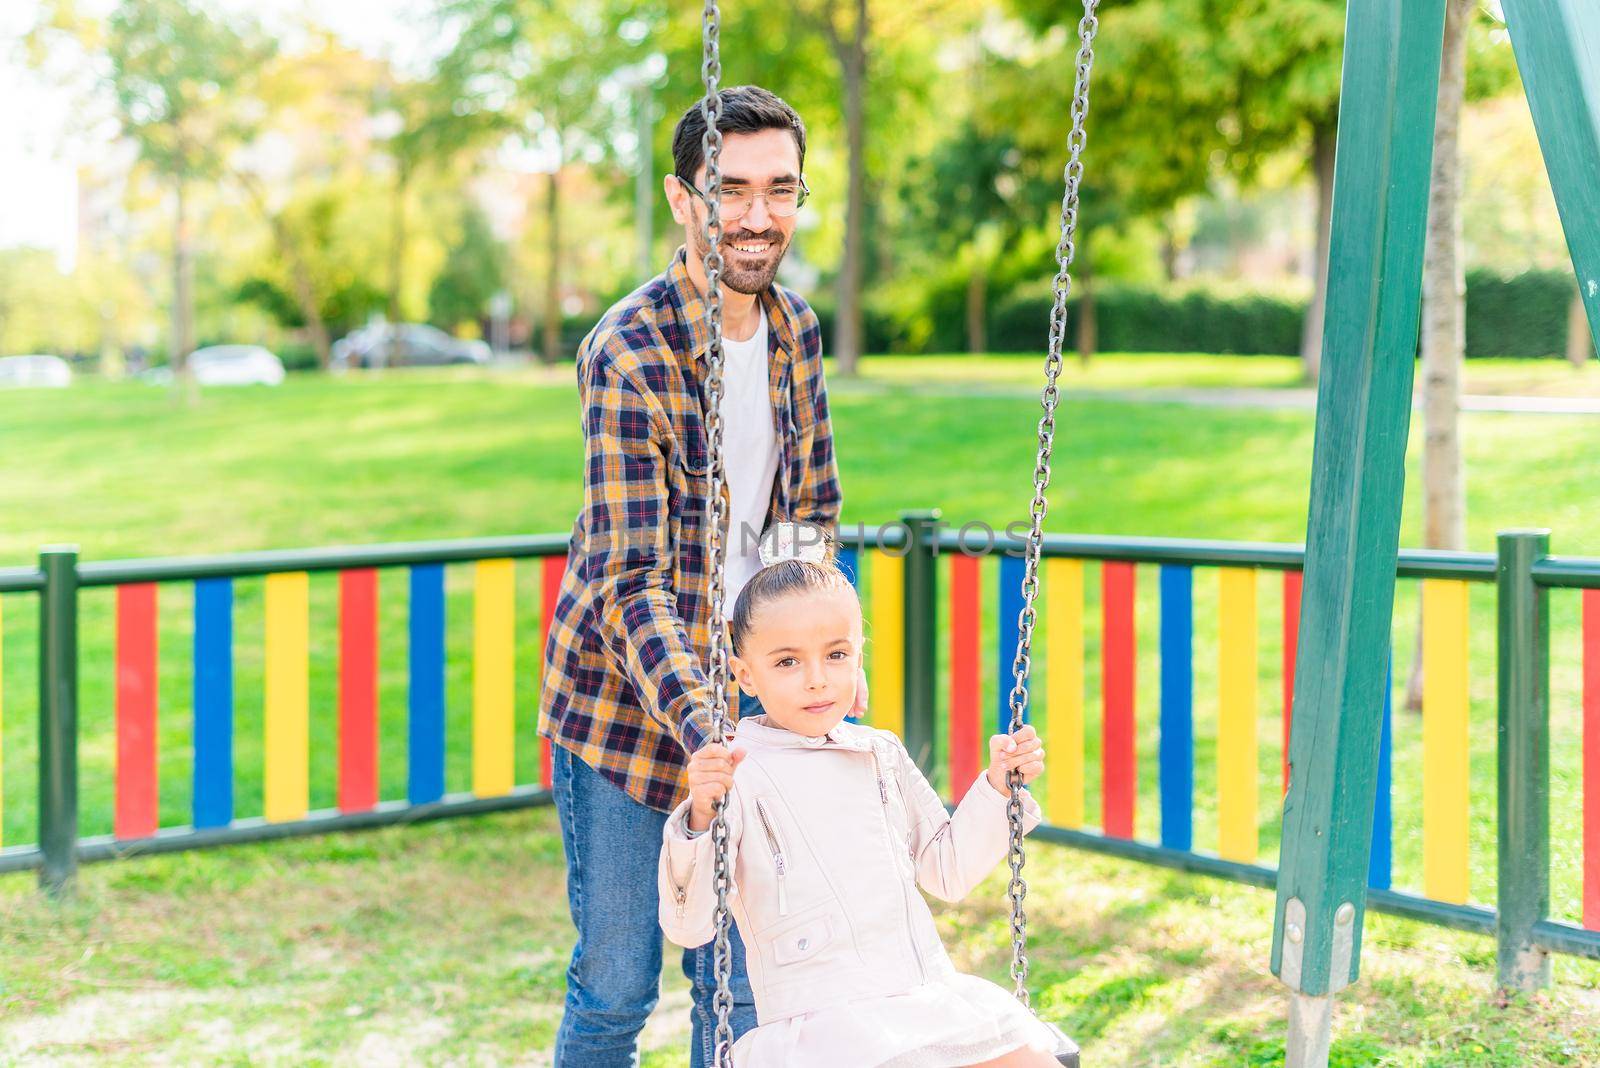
[(1066, 1051)]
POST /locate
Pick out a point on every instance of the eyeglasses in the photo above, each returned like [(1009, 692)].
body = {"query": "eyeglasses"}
[(783, 199)]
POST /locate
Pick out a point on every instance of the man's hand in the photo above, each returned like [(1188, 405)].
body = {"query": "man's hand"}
[(1022, 752), (710, 779)]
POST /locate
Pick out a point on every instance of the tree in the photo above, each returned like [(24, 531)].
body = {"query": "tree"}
[(431, 121), (179, 76), (1158, 132), (472, 275), (966, 195), (301, 173), (538, 72)]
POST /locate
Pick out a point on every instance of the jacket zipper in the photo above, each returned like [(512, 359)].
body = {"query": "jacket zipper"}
[(680, 893), (911, 932), (777, 856)]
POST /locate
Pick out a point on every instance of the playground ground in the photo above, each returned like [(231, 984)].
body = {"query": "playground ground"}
[(446, 943)]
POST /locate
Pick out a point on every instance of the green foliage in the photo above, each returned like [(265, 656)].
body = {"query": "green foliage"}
[(1518, 315), (474, 272), (180, 76), (1137, 319)]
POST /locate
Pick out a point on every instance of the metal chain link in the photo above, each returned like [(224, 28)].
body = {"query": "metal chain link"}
[(716, 516), (1088, 26)]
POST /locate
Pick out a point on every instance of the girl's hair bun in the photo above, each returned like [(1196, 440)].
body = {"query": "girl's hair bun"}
[(792, 540)]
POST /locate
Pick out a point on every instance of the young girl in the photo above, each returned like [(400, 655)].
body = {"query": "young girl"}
[(831, 827)]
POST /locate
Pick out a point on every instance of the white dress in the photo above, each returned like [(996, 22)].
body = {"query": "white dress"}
[(957, 1021)]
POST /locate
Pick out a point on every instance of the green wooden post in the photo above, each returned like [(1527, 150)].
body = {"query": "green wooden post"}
[(1557, 43), (921, 624), (1385, 147), (58, 719), (1524, 759)]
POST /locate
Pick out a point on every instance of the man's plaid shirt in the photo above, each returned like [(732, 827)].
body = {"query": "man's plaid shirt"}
[(625, 685)]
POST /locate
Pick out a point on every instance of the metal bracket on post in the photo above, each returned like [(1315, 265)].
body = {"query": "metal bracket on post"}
[(1311, 1016), (58, 719)]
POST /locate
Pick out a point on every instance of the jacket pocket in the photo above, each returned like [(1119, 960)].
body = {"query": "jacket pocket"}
[(803, 941), (772, 836)]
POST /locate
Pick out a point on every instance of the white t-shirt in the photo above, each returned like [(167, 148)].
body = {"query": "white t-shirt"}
[(750, 456)]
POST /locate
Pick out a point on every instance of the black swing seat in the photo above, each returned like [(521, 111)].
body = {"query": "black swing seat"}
[(1066, 1050)]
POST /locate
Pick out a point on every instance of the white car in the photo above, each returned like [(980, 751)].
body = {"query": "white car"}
[(37, 371), (236, 365)]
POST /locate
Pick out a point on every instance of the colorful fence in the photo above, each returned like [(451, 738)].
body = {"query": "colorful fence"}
[(1092, 656), (207, 587), (1150, 679)]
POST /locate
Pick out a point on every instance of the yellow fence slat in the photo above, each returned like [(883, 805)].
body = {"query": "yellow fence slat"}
[(886, 693), (493, 677), (1444, 740), (1236, 723), (288, 699), (1064, 691)]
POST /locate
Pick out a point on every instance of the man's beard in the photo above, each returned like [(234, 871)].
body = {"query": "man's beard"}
[(745, 274)]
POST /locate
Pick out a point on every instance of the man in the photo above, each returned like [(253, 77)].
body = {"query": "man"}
[(625, 693)]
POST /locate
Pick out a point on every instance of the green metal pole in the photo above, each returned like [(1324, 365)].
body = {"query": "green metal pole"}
[(921, 624), (1389, 88), (58, 719), (1557, 43), (1524, 759)]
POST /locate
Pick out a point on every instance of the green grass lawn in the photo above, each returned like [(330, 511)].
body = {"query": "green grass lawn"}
[(1127, 371), (346, 932)]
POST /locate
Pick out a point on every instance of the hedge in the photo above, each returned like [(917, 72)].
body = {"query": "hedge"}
[(1515, 315)]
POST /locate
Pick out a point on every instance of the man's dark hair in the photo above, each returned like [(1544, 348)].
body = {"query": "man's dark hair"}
[(745, 109)]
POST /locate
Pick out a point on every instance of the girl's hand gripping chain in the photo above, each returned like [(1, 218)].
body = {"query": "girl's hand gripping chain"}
[(710, 779), (1022, 752)]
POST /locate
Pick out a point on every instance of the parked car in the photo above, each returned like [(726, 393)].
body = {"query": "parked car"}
[(34, 371), (405, 345), (236, 365)]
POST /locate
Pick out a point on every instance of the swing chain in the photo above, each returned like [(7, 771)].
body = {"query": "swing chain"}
[(716, 517), (1017, 890)]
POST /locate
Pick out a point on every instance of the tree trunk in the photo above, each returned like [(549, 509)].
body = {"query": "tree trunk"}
[(977, 301), (182, 293), (1443, 320), (552, 280), (1580, 348), (397, 241), (852, 57), (1088, 334), (1169, 254), (305, 295), (1323, 142)]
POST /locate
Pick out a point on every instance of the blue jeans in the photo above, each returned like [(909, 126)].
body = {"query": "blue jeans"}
[(613, 844)]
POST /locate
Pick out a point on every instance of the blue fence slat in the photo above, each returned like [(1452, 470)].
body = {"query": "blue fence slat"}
[(1177, 707), (213, 702), (850, 564), (1381, 863), (425, 778), (1012, 570)]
